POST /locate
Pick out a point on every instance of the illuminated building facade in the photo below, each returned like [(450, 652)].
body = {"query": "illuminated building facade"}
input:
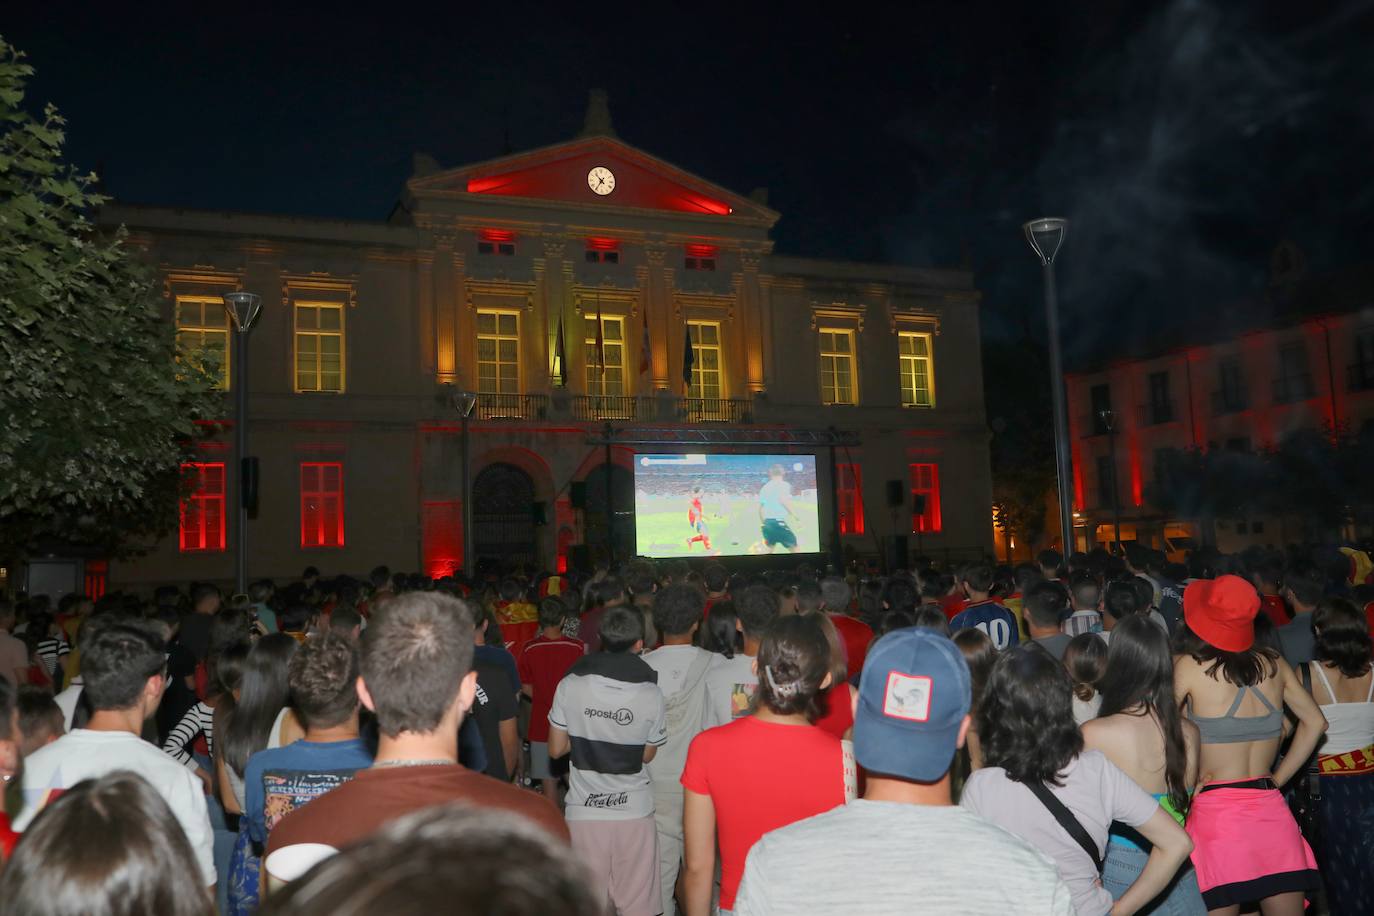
[(1301, 360), (565, 286)]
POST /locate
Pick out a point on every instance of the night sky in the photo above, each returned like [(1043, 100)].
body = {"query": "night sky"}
[(1183, 139)]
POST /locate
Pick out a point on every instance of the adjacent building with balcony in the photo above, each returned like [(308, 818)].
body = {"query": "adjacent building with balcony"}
[(571, 287), (1303, 358)]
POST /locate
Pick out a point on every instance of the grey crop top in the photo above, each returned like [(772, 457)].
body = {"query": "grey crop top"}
[(1231, 729)]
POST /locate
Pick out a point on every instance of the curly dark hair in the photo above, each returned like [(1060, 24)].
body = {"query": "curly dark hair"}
[(1244, 669), (1025, 720), (677, 609)]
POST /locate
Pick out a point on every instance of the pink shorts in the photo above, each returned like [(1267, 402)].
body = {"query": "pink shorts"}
[(1247, 845), (623, 858)]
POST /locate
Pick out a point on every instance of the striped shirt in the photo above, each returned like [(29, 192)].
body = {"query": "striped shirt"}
[(197, 720), (612, 708), (53, 650)]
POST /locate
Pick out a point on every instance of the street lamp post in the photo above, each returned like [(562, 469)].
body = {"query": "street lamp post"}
[(1108, 418), (1046, 235), (243, 309), (464, 402)]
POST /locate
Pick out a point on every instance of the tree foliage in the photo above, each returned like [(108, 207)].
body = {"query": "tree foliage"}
[(95, 411), (1318, 478), (1022, 444)]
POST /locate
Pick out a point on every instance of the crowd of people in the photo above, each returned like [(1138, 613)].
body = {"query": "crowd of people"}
[(1092, 734)]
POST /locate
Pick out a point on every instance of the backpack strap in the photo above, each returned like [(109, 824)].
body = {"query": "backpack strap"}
[(1312, 776), (1066, 820)]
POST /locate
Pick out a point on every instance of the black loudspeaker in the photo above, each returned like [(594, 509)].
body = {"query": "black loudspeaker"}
[(580, 557), (898, 552), (896, 493), (249, 476), (577, 493), (539, 512)]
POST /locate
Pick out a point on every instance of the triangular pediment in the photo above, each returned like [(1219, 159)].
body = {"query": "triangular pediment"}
[(561, 174)]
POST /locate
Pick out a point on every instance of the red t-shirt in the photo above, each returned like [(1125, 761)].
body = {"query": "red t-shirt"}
[(541, 664), (953, 605), (694, 511), (837, 710), (856, 636), (1276, 608), (761, 776)]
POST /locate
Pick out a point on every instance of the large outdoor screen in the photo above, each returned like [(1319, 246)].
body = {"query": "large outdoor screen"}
[(725, 505)]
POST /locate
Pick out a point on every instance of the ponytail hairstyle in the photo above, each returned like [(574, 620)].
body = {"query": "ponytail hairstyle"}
[(1140, 682), (721, 633), (1085, 657), (795, 659)]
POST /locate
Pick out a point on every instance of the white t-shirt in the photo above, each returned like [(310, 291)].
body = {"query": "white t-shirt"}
[(1094, 790), (684, 713), (772, 496), (730, 687), (891, 859), (85, 754)]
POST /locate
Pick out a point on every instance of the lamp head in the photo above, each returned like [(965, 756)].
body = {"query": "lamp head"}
[(243, 309), (464, 402), (1045, 236)]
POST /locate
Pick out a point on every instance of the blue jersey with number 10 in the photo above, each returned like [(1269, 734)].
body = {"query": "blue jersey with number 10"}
[(993, 619)]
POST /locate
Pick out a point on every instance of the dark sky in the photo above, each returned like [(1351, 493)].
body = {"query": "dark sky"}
[(1183, 139)]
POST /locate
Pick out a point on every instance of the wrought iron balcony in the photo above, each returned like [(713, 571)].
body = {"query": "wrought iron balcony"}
[(715, 410), (612, 407), (512, 406)]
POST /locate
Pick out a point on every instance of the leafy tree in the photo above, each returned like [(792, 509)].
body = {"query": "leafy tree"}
[(95, 411), (1022, 444)]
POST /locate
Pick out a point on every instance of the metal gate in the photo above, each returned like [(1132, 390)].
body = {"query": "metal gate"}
[(503, 516)]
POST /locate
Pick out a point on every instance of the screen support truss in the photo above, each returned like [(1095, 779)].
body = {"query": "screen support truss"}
[(733, 437)]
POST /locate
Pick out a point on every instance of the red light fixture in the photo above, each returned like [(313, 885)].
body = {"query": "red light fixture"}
[(496, 235), (702, 251), (603, 244)]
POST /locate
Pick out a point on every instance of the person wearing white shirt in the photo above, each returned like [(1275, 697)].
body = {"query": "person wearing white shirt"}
[(123, 669)]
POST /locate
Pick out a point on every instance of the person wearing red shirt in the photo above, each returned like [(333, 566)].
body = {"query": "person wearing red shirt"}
[(541, 663), (696, 520), (518, 619), (762, 771), (1266, 580), (854, 633)]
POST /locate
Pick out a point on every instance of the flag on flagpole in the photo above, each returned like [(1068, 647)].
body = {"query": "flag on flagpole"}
[(560, 357), (600, 340), (689, 358), (645, 356)]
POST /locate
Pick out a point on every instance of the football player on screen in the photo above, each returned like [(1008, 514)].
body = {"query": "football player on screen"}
[(696, 518), (775, 506)]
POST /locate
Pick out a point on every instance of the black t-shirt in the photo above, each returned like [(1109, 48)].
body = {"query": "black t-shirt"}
[(495, 704), (195, 634)]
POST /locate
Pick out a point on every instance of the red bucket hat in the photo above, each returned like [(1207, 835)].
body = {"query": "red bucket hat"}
[(1222, 612)]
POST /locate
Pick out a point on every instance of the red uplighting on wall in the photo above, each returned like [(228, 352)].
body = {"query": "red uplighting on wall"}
[(496, 235), (1077, 458), (849, 492), (925, 488), (1137, 483), (97, 577), (322, 504), (695, 250), (201, 527), (442, 538), (603, 244)]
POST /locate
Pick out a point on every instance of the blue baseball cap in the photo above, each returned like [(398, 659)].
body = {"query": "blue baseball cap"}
[(914, 693)]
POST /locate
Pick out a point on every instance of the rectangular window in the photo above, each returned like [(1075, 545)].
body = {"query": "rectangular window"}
[(706, 371), (700, 257), (498, 352), (1161, 406), (918, 375), (319, 346), (1295, 381), (1100, 397), (496, 241), (602, 257), (925, 499), (1230, 395), (322, 505), (611, 381), (1361, 372), (1106, 481), (202, 511), (203, 333), (837, 367), (849, 490)]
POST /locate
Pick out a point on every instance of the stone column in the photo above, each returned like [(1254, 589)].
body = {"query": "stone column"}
[(445, 305)]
